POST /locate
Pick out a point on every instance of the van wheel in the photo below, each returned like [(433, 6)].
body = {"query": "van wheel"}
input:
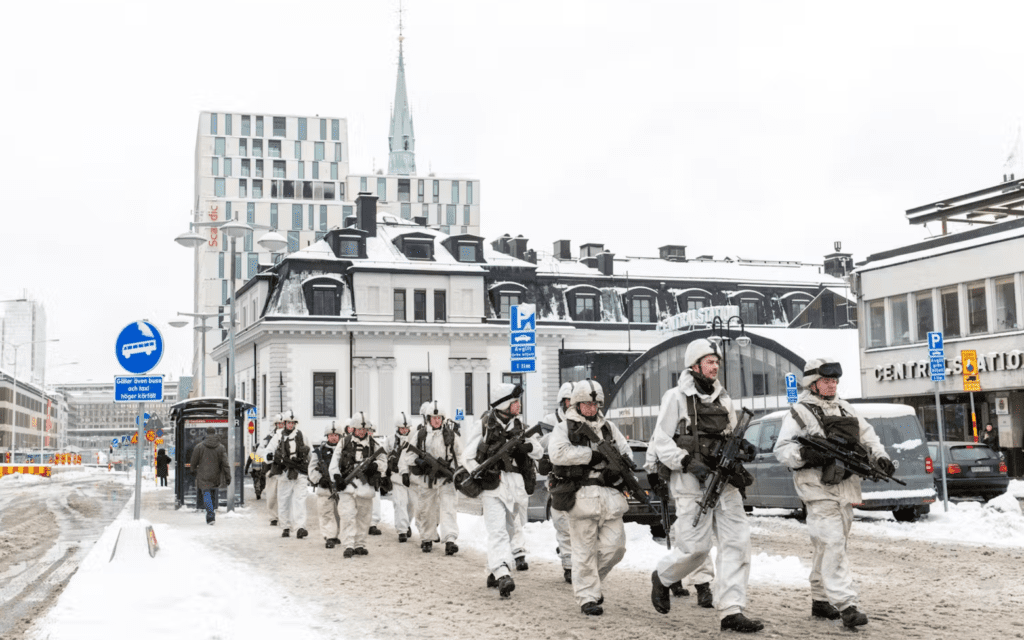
[(748, 509), (801, 513), (910, 514)]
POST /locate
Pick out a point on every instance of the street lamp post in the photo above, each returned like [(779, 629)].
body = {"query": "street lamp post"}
[(271, 241), (722, 336), (201, 328), (14, 379)]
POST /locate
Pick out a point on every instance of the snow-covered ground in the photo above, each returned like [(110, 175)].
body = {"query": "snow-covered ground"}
[(191, 585)]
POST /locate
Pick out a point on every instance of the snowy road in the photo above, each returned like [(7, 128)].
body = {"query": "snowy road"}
[(48, 526), (950, 576)]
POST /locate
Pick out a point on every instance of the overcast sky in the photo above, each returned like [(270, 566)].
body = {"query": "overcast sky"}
[(764, 130)]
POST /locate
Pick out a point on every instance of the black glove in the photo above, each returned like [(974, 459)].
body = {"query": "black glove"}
[(596, 458), (749, 451), (886, 465), (697, 468), (525, 447), (337, 481), (293, 474), (405, 479), (814, 458), (654, 480)]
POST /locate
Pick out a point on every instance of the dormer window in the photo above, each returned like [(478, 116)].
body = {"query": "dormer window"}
[(585, 307), (418, 250), (348, 248), (324, 299), (467, 252)]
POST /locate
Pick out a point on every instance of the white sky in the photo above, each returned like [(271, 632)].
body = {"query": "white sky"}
[(763, 130)]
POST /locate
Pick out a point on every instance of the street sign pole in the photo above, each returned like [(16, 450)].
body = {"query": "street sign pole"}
[(139, 422), (936, 353)]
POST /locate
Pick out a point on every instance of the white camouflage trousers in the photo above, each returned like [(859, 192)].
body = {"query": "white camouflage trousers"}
[(291, 501), (327, 509), (598, 539), (728, 523), (375, 513), (404, 499), (501, 521), (560, 520), (271, 491), (828, 524), (437, 507), (355, 514)]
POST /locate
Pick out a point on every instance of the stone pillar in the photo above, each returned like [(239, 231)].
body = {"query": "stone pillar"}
[(363, 368), (386, 407)]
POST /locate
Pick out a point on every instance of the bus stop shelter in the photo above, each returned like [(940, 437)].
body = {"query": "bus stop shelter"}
[(191, 418)]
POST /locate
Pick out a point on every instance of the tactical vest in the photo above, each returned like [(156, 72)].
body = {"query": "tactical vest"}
[(282, 454), (494, 436), (706, 425), (324, 452), (448, 437), (565, 480), (349, 449), (842, 430)]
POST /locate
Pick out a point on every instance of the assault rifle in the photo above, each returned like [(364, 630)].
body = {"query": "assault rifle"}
[(621, 465), (395, 454), (358, 469), (321, 466), (468, 482), (666, 521), (730, 454), (438, 466), (848, 456)]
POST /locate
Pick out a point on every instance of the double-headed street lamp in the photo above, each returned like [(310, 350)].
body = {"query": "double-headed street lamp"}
[(722, 336), (201, 328), (14, 379), (272, 242)]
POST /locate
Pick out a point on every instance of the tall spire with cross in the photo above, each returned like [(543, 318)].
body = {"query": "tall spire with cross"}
[(401, 140)]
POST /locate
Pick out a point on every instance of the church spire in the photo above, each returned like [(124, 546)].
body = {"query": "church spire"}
[(401, 140)]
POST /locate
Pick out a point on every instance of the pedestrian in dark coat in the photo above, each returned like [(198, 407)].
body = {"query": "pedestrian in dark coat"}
[(210, 465), (162, 460)]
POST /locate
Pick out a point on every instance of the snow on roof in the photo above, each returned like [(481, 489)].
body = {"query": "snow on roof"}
[(928, 252)]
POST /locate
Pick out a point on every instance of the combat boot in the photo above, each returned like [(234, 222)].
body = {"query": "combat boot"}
[(591, 609), (426, 546), (329, 543), (567, 574), (506, 586), (361, 551), (853, 618), (273, 522), (349, 552), (704, 597), (492, 582), (286, 533), (450, 548), (741, 624), (301, 533), (678, 590), (659, 594), (823, 609), (374, 531), (402, 537), (521, 564)]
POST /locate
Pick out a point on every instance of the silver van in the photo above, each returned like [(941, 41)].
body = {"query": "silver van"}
[(904, 439)]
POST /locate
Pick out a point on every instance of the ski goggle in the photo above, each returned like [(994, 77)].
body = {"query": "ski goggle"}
[(828, 370)]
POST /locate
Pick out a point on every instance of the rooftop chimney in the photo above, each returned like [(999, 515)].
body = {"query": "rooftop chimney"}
[(420, 220), (562, 250), (530, 256), (590, 261), (590, 250), (501, 244), (366, 213), (605, 263), (673, 252), (517, 246)]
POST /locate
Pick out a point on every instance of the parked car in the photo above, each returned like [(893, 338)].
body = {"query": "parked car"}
[(972, 469), (540, 502), (898, 429)]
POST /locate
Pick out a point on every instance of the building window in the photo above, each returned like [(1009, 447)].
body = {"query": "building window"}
[(437, 191), (257, 148), (242, 147), (323, 394), (467, 252), (273, 216), (693, 304), (334, 171), (328, 191), (876, 320), (465, 214), (316, 170), (469, 192), (218, 146), (310, 210), (641, 310), (214, 166), (350, 249), (324, 297), (468, 395), (586, 307), (213, 124), (382, 189), (400, 308), (362, 184), (227, 167), (323, 217), (246, 164), (250, 217), (243, 188), (257, 188), (296, 216), (950, 312), (253, 266), (748, 311), (419, 305), (323, 129), (245, 132), (335, 129), (419, 191), (403, 190), (419, 250), (1006, 304), (279, 169), (274, 148), (218, 187), (293, 241), (900, 320), (450, 213), (298, 150), (406, 211), (302, 170), (925, 319), (337, 152), (259, 126), (227, 124), (259, 168), (977, 312), (440, 306), (220, 265), (318, 151), (455, 191), (796, 307), (421, 390), (279, 128), (505, 303)]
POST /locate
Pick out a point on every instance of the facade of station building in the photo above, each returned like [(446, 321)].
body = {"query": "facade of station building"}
[(31, 418), (386, 314), (968, 285)]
